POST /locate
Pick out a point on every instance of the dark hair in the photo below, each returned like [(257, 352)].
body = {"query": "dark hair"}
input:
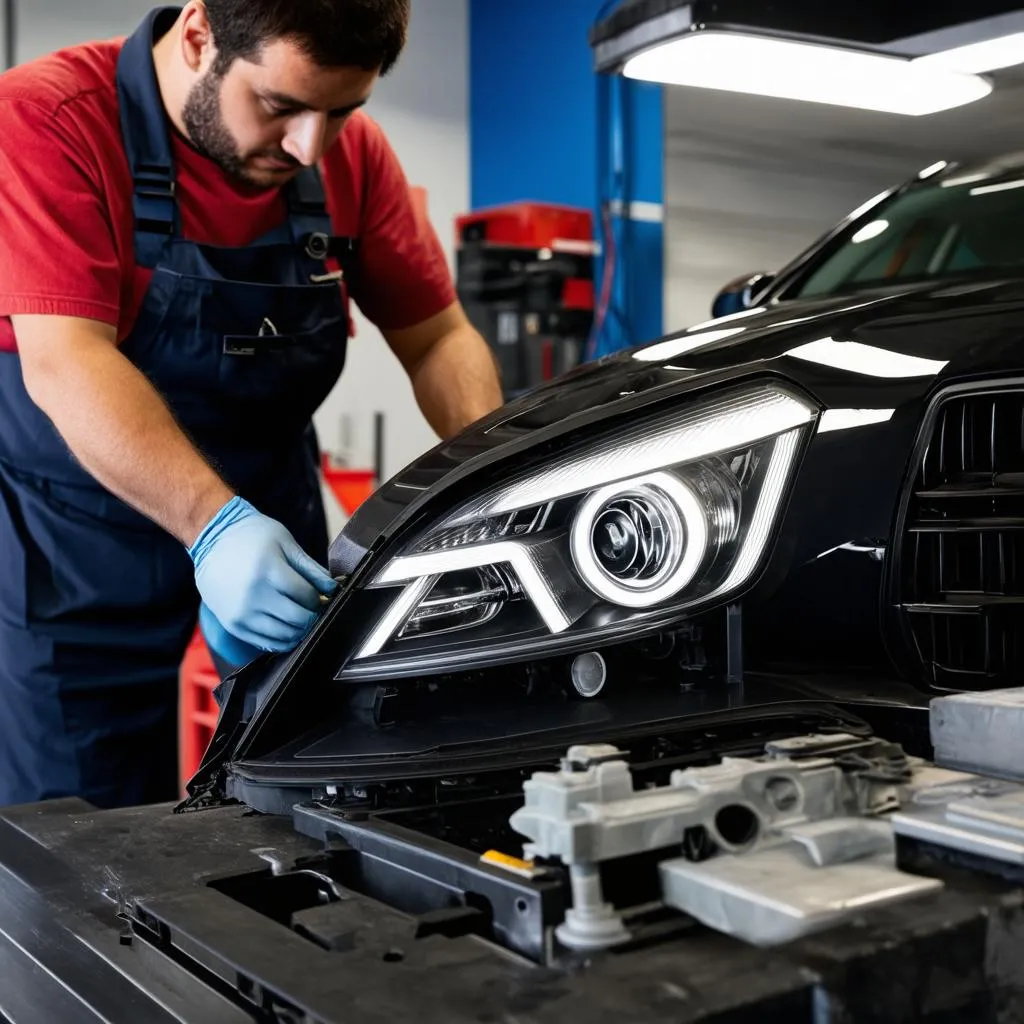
[(368, 34)]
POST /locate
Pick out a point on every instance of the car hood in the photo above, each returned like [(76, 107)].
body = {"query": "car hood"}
[(870, 350)]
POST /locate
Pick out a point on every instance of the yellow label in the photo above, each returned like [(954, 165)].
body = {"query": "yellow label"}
[(503, 860)]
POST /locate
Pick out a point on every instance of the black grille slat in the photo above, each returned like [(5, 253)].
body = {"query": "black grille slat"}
[(962, 562), (997, 485), (976, 524)]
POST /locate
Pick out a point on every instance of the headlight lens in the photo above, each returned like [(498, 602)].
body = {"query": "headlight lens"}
[(639, 544), (661, 517)]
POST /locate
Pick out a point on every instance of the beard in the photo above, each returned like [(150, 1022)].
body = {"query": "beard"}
[(209, 134)]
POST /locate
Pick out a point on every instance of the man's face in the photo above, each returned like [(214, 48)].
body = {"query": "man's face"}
[(262, 122)]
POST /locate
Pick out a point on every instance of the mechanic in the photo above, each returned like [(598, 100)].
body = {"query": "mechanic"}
[(184, 217)]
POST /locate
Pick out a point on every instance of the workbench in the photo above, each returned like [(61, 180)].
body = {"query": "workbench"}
[(124, 916)]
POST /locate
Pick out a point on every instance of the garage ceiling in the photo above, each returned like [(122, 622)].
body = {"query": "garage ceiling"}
[(758, 127)]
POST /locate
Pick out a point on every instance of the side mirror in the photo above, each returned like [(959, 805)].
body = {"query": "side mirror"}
[(739, 294)]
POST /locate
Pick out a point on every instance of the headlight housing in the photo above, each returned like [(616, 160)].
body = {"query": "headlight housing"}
[(616, 537)]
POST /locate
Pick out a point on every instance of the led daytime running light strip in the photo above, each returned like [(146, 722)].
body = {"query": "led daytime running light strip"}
[(727, 424), (768, 506), (435, 564), (397, 615)]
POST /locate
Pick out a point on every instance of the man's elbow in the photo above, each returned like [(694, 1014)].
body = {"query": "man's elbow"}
[(41, 377), (50, 348)]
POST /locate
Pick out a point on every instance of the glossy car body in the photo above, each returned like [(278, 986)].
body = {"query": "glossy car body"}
[(891, 571)]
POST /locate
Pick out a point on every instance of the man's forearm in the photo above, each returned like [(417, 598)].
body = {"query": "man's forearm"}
[(120, 429), (457, 381)]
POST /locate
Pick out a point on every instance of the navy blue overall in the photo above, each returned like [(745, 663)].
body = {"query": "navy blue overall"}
[(97, 604)]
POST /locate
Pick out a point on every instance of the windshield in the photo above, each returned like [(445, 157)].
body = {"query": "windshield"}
[(930, 232)]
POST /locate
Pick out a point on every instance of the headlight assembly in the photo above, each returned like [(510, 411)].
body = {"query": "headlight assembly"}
[(607, 540)]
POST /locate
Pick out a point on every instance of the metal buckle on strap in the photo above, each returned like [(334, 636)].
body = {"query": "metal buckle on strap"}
[(155, 181), (154, 200), (320, 246)]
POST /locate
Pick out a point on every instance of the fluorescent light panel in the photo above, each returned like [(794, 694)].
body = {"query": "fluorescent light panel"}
[(978, 58), (787, 69)]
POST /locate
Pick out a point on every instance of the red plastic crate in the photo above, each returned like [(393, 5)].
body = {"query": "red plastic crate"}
[(198, 712), (350, 486)]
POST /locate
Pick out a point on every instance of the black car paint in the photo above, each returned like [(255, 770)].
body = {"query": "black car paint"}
[(818, 608), (848, 486)]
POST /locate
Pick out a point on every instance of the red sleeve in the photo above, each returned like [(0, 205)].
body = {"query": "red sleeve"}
[(58, 254), (403, 276)]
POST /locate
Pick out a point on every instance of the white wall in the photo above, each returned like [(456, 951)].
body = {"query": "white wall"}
[(46, 25), (423, 107)]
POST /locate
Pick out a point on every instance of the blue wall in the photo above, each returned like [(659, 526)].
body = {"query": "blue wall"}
[(531, 138), (542, 128)]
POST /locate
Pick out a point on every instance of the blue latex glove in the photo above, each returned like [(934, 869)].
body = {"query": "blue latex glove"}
[(227, 647), (256, 580)]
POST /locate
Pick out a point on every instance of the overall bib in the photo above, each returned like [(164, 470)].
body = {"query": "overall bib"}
[(97, 603)]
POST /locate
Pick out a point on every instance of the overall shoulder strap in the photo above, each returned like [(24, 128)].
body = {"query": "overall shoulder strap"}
[(147, 141), (311, 221)]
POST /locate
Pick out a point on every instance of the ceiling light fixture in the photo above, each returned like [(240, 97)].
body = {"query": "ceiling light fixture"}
[(978, 58), (790, 50), (794, 70)]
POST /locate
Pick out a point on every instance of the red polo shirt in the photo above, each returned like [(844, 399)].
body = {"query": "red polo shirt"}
[(66, 221)]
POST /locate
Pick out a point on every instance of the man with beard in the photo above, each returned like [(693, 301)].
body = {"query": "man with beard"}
[(185, 215)]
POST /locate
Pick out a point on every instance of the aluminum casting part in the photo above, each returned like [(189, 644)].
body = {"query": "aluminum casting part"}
[(591, 924), (803, 821), (841, 840), (595, 815), (980, 732), (984, 818), (776, 894)]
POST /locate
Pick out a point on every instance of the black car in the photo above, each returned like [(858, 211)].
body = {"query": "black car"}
[(809, 504), (774, 536)]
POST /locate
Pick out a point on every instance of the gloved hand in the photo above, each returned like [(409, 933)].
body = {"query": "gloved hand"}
[(222, 644), (256, 580)]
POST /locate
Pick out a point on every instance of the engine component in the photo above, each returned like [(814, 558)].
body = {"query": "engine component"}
[(814, 876), (980, 732), (804, 809), (977, 816)]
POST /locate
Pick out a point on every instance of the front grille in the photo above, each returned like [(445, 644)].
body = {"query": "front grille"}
[(962, 556)]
